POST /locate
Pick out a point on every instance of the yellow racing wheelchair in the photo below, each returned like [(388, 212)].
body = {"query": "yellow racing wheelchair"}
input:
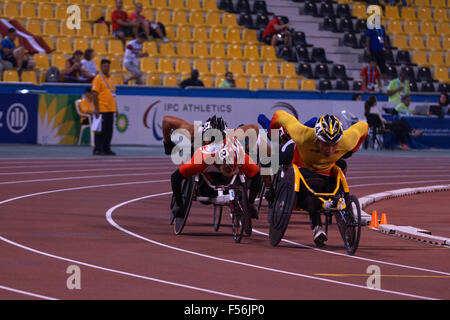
[(292, 190)]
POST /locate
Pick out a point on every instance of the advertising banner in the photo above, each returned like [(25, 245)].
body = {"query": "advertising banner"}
[(18, 118)]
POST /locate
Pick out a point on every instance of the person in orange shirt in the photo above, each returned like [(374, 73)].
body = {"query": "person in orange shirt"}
[(105, 105)]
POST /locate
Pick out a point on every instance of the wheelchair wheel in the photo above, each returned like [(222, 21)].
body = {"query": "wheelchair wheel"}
[(243, 201), (187, 191), (237, 221), (217, 217), (349, 225), (281, 208)]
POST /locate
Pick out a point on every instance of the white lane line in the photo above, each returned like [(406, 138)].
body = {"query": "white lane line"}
[(78, 165), (104, 268), (72, 170), (31, 294), (87, 177), (397, 183), (403, 176), (113, 223)]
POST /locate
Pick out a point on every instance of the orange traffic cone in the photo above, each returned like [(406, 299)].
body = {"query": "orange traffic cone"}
[(374, 220), (383, 219)]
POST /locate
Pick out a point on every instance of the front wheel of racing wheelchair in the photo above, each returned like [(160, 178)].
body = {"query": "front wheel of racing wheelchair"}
[(340, 203)]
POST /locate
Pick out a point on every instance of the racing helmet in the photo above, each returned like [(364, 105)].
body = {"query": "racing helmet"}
[(232, 154), (216, 123), (328, 129)]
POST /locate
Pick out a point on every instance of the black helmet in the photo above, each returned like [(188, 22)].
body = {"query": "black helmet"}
[(216, 123), (328, 129)]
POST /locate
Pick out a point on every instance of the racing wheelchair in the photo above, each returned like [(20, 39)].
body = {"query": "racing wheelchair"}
[(233, 195), (291, 191)]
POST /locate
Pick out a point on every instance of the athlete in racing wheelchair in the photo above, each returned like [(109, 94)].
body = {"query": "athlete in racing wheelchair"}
[(313, 182)]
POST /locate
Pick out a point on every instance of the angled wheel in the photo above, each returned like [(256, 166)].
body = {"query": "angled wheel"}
[(243, 202), (237, 221), (281, 207), (217, 217), (349, 223), (187, 191)]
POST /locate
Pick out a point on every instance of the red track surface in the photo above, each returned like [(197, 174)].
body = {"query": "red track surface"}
[(87, 212)]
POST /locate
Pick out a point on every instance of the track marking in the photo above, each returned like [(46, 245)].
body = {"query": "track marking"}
[(35, 295), (381, 275)]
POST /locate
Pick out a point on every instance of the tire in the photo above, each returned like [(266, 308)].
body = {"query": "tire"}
[(350, 226), (237, 221), (217, 217), (281, 208), (187, 191)]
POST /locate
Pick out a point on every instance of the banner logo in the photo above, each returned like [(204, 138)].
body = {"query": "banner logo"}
[(154, 125), (122, 123), (17, 118)]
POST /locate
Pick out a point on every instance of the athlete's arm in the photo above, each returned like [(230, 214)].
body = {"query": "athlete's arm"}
[(355, 135), (290, 123)]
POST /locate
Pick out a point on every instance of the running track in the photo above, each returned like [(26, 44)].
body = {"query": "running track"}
[(109, 216)]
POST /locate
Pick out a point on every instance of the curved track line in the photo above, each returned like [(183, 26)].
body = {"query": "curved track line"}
[(35, 295), (114, 224)]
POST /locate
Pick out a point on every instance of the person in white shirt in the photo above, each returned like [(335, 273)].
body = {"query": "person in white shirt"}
[(133, 53), (88, 65)]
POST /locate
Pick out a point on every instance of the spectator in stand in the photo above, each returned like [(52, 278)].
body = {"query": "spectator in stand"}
[(156, 30), (15, 55), (444, 102), (277, 30), (397, 87), (122, 26), (376, 45), (371, 77), (403, 107), (88, 65), (87, 105), (133, 53), (228, 82), (73, 71), (193, 81)]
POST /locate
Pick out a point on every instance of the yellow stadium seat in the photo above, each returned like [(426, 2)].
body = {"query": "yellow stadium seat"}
[(34, 26), (274, 83), (446, 42), (80, 44), (28, 11), (193, 5), (249, 36), (408, 13), (176, 4), (101, 30), (236, 67), (45, 11), (58, 1), (233, 35), (394, 27), (165, 66), (64, 45), (290, 84), (117, 78), (64, 31), (252, 68), (400, 41), (270, 69), (443, 28), (61, 12), (359, 11), (424, 14), (183, 34), (391, 13), (151, 48), (422, 3), (99, 46), (447, 59), (148, 14), (441, 74), (200, 50), (170, 80), (256, 83), (217, 51), (438, 3), (434, 43), (116, 65), (218, 67), (153, 80), (411, 27), (209, 5), (59, 61), (308, 85), (41, 61), (216, 35), (420, 57), (234, 51), (287, 69), (91, 2), (163, 16), (196, 18), (229, 20), (427, 28), (202, 67), (49, 41), (29, 76), (11, 10), (200, 34), (207, 81), (416, 42), (218, 81), (109, 11), (167, 49), (268, 53), (440, 14), (94, 13), (241, 82), (51, 28), (251, 52), (213, 19), (148, 65), (179, 18), (170, 32), (158, 4), (183, 66), (85, 30), (184, 49), (10, 76), (436, 58), (115, 47), (129, 4)]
